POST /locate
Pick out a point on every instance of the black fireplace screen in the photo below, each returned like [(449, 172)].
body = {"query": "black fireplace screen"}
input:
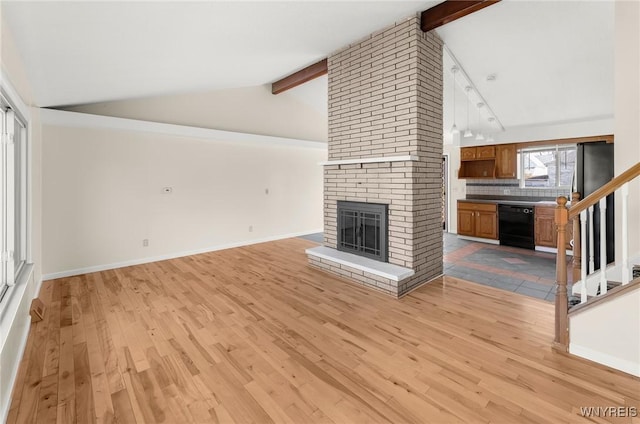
[(362, 229)]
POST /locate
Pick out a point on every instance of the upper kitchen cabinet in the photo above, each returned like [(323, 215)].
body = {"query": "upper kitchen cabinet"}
[(484, 168), (468, 153), (478, 153), (494, 161), (486, 152), (506, 160)]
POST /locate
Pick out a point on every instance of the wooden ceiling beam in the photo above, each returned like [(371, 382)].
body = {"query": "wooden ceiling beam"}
[(438, 15), (316, 70), (449, 11)]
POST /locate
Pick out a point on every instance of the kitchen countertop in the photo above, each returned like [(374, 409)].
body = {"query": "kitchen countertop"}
[(514, 202)]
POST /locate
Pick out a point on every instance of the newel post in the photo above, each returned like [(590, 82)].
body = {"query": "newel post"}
[(561, 340)]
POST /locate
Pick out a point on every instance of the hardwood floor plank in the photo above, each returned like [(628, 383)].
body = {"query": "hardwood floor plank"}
[(254, 334), (48, 403), (84, 402), (146, 392), (242, 407), (122, 408)]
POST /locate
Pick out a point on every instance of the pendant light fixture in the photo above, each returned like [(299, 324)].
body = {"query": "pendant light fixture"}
[(479, 137), (491, 120), (454, 128), (467, 132)]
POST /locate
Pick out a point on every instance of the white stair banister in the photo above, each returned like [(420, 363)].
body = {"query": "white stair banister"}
[(583, 264), (581, 213), (592, 265), (603, 245), (624, 190)]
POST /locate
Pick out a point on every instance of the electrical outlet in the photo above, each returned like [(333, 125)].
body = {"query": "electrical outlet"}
[(507, 191), (266, 191), (167, 190), (145, 243), (250, 228)]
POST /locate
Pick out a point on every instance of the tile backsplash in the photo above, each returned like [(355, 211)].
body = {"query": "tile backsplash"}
[(510, 188)]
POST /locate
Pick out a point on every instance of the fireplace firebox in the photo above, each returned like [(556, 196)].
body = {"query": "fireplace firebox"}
[(362, 229)]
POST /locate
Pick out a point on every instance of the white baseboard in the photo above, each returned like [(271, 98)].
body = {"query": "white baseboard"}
[(605, 359), (36, 292), (98, 268), (552, 250)]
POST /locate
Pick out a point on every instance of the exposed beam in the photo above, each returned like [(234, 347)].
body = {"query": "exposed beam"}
[(449, 11), (307, 74)]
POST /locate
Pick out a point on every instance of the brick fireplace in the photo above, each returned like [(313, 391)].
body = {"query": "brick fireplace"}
[(385, 147)]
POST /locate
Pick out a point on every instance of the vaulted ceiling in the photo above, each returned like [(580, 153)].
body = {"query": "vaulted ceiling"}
[(553, 60)]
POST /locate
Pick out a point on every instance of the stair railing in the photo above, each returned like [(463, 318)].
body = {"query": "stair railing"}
[(581, 216)]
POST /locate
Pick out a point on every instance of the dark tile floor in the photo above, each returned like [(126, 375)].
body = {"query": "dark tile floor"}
[(523, 271), (317, 237)]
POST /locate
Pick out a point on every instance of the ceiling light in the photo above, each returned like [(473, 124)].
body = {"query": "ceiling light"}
[(467, 132), (491, 77), (454, 128), (479, 137)]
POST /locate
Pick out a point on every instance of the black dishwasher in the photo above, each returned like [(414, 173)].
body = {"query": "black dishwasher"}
[(515, 224)]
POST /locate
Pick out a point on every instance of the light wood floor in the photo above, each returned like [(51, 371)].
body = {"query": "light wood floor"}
[(254, 334)]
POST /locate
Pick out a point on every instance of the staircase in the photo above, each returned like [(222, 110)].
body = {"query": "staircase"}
[(600, 321)]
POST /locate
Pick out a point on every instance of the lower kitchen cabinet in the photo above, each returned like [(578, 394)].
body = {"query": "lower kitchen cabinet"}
[(545, 228), (466, 222), (478, 220)]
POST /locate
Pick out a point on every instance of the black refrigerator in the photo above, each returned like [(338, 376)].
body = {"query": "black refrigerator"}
[(594, 168)]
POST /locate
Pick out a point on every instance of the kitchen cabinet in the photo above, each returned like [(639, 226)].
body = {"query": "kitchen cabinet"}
[(478, 220), (477, 169), (478, 152), (466, 221), (545, 227), (492, 161), (468, 153), (486, 152), (506, 160)]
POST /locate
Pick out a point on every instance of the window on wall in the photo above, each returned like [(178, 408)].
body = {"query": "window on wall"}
[(547, 167), (13, 197)]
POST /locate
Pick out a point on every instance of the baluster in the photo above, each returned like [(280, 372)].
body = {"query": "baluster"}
[(583, 265), (603, 245), (577, 241), (625, 233), (592, 264)]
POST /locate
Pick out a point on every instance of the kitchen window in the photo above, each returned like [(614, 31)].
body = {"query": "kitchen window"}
[(13, 197), (547, 167)]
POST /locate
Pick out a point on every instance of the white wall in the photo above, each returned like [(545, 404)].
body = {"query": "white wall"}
[(15, 321), (103, 191), (627, 108), (251, 110), (609, 333)]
